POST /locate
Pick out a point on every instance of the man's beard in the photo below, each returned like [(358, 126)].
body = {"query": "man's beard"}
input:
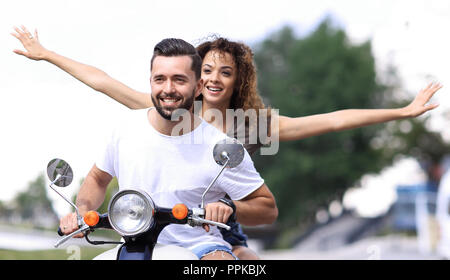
[(172, 114)]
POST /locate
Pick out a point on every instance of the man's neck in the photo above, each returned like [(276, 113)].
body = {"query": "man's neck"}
[(187, 123)]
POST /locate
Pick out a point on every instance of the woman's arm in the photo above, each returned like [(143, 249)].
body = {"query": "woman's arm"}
[(89, 75), (303, 127)]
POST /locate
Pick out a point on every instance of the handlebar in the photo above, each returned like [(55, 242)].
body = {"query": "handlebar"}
[(103, 222), (196, 219), (165, 216), (201, 221), (80, 230)]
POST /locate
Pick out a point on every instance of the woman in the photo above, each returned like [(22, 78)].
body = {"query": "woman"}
[(229, 78)]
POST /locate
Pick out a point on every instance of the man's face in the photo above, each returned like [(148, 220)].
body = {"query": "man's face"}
[(173, 84)]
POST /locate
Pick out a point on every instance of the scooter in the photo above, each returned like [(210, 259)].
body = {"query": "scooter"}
[(133, 214)]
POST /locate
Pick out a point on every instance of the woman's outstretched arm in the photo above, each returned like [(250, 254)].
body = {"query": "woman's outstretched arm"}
[(303, 127), (89, 75)]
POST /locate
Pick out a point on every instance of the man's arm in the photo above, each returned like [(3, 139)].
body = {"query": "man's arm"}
[(257, 208), (90, 197), (93, 189)]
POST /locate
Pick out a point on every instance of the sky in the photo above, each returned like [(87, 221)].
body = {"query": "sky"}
[(45, 113)]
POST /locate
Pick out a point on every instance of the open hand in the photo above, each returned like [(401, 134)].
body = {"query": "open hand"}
[(419, 105), (34, 49)]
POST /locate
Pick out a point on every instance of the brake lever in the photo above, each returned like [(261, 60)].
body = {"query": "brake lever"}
[(64, 239), (200, 221)]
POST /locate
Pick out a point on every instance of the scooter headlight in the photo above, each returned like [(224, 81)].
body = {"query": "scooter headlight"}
[(130, 212)]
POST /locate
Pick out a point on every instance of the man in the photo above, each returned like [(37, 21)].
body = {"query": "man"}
[(174, 165)]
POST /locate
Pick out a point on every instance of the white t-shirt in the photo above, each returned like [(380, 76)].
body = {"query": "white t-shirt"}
[(175, 169)]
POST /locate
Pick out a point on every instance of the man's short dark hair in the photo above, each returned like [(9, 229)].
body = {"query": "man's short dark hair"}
[(178, 47)]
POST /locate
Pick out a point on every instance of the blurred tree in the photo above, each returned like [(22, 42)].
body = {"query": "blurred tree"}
[(412, 137), (33, 204), (319, 73), (5, 210), (113, 187)]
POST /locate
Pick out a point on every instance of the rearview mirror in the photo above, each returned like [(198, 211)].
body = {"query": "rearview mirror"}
[(59, 172), (228, 151)]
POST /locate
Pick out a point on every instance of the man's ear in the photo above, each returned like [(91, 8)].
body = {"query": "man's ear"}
[(199, 88)]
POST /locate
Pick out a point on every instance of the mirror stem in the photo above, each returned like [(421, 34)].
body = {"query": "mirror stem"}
[(70, 202), (213, 181)]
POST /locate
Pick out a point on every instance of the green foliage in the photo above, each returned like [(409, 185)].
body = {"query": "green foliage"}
[(113, 187), (34, 202), (320, 73), (412, 137), (85, 253)]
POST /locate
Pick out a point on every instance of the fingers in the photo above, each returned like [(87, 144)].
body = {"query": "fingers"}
[(33, 49), (25, 30), (19, 31), (218, 212), (27, 33), (427, 93), (18, 34), (19, 52), (431, 106), (428, 86), (432, 87), (23, 34), (438, 86), (69, 223), (206, 227), (435, 86), (15, 35), (424, 96)]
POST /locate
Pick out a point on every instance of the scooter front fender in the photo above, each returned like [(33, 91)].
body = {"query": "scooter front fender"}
[(160, 252)]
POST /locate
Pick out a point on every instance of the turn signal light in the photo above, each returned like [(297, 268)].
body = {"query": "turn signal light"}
[(91, 218), (180, 211)]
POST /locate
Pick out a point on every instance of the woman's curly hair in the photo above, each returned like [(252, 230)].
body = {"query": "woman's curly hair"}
[(245, 93)]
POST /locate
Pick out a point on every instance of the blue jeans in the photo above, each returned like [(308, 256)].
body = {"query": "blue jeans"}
[(235, 236), (203, 250)]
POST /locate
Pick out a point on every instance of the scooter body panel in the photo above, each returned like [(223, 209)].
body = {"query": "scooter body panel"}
[(161, 252)]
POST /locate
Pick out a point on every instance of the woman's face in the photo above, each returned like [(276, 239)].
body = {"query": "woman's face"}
[(219, 75)]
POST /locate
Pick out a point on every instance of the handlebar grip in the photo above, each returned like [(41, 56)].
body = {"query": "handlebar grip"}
[(60, 232), (199, 221)]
